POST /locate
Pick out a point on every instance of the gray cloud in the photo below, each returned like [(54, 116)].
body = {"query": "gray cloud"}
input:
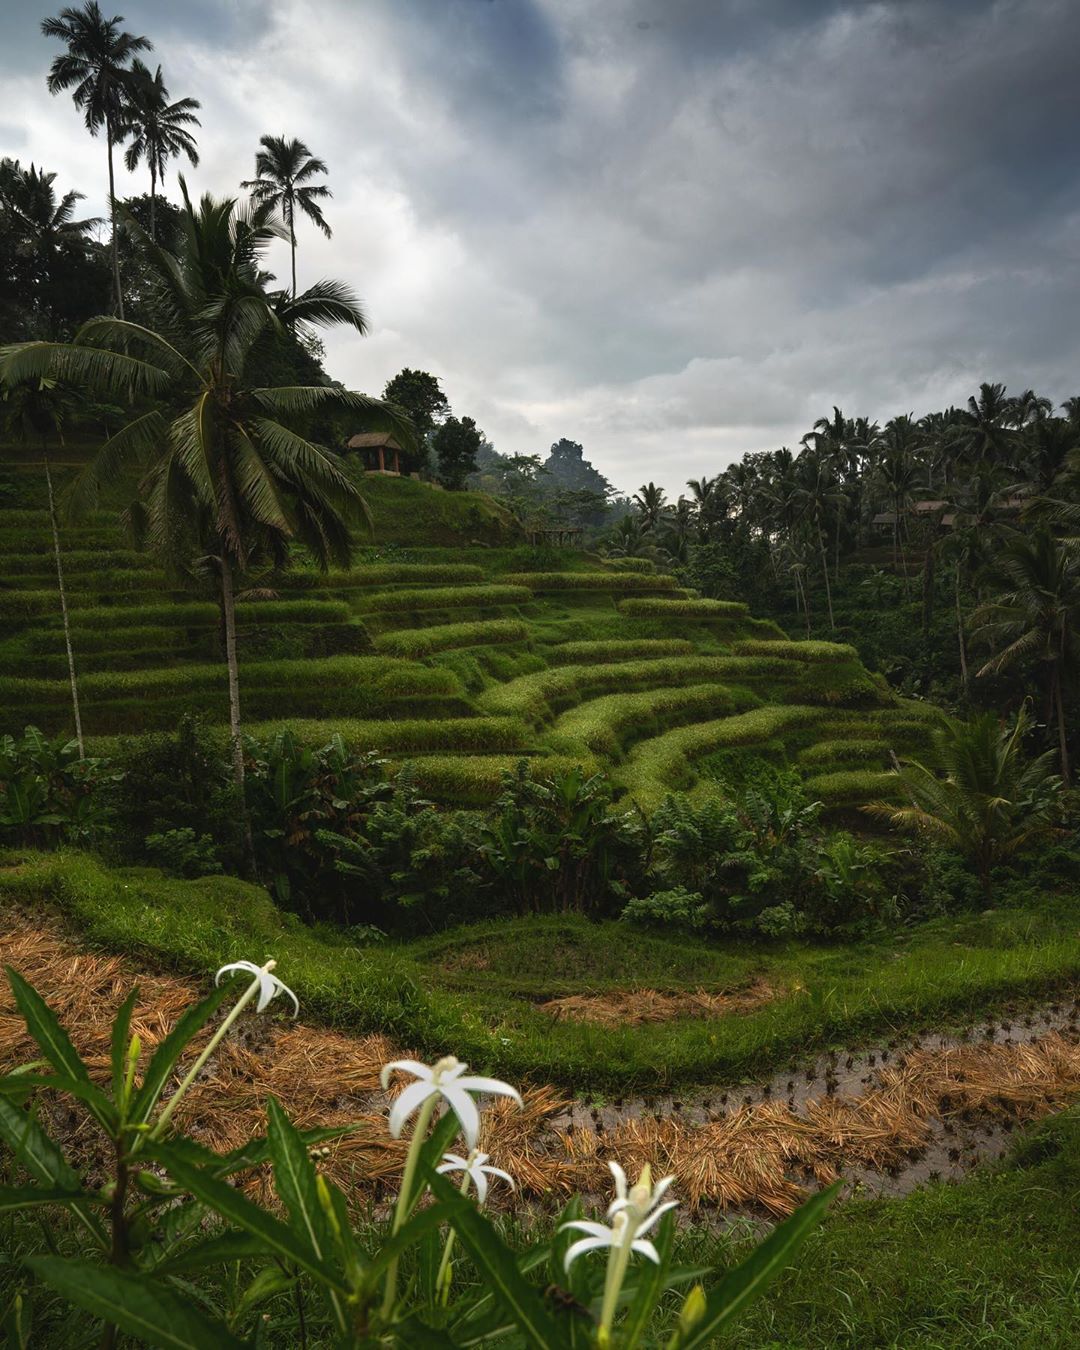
[(674, 231)]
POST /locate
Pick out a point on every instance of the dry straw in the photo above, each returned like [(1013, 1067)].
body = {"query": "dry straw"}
[(759, 1156)]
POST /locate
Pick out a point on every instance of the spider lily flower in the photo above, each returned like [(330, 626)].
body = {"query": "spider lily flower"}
[(633, 1212), (445, 1079), (269, 985), (476, 1170)]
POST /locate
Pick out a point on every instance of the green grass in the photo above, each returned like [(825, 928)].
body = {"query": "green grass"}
[(852, 787), (661, 608), (204, 613), (796, 651), (443, 597), (419, 642), (415, 514), (436, 997), (605, 725), (618, 649), (623, 583), (992, 1261), (476, 780)]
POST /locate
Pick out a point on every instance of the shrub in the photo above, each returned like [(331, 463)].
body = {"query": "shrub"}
[(618, 649), (678, 909), (660, 608), (420, 642), (624, 582), (49, 794), (183, 853), (444, 597)]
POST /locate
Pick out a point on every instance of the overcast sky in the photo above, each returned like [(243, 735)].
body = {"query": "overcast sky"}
[(673, 230)]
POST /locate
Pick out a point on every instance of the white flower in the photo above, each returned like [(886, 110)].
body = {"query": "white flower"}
[(269, 985), (478, 1171), (643, 1197), (633, 1212), (443, 1079)]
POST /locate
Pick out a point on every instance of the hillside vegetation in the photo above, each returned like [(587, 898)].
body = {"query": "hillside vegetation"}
[(451, 644)]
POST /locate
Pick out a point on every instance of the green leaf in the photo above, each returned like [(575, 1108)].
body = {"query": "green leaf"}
[(43, 1024), (295, 1179), (237, 1209), (219, 1250), (270, 1281), (409, 1234), (749, 1280), (413, 1333), (171, 1048), (30, 1197), (42, 1158), (121, 1027), (154, 1315), (499, 1271)]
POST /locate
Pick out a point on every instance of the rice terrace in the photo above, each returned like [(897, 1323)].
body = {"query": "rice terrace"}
[(452, 897)]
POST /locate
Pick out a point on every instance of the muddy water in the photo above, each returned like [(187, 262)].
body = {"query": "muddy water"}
[(954, 1145)]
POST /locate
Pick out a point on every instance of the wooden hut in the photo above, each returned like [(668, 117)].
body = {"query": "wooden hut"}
[(381, 452)]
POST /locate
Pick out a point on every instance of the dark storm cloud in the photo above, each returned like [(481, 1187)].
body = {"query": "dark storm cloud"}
[(673, 229)]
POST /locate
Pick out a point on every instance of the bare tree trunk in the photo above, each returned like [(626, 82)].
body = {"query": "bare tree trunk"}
[(292, 245), (112, 218), (228, 608), (153, 199), (1059, 704), (63, 606), (960, 636), (825, 574)]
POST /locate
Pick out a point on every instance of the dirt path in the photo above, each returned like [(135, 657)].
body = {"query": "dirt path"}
[(887, 1118)]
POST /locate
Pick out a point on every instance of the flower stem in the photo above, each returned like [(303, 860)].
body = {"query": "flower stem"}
[(613, 1281), (442, 1293), (212, 1045), (404, 1200)]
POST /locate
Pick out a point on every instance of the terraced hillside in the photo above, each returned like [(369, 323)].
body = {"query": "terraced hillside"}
[(450, 645)]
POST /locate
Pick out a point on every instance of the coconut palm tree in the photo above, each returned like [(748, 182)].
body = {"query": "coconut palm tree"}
[(45, 224), (985, 431), (818, 499), (978, 793), (283, 173), (226, 471), (95, 68), (159, 129), (650, 501), (1035, 616)]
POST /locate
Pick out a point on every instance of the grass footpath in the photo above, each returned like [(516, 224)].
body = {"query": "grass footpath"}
[(993, 1261), (474, 992)]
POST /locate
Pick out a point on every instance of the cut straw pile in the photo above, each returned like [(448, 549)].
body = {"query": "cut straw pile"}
[(637, 1006), (757, 1156)]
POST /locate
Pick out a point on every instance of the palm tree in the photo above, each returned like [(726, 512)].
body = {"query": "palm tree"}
[(985, 431), (979, 793), (897, 475), (283, 170), (650, 501), (818, 498), (95, 67), (226, 471), (1036, 616), (36, 411), (159, 128), (45, 223)]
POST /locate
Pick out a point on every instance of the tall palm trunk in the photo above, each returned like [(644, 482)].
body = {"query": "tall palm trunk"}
[(63, 605), (1059, 708), (825, 574), (228, 613), (960, 635), (115, 248), (292, 248), (153, 199)]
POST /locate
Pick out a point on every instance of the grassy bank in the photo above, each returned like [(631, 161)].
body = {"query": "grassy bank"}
[(476, 991), (992, 1261)]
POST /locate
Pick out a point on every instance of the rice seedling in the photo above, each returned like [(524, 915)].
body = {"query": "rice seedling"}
[(660, 608), (443, 597), (620, 582), (419, 642), (617, 649)]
